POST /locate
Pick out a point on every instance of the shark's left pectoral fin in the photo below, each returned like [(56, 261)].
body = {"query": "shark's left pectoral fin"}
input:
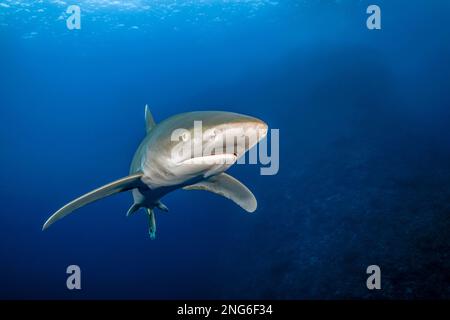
[(228, 187)]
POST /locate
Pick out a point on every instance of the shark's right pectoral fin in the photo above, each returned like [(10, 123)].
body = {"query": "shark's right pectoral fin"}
[(228, 187), (124, 184)]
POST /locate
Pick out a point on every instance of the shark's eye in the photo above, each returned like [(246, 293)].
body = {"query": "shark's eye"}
[(184, 136), (213, 135)]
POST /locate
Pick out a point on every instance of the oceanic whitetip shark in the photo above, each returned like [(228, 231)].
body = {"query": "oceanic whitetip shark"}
[(158, 168)]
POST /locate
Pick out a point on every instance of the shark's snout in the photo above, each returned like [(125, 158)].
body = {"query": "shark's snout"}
[(262, 128), (249, 133)]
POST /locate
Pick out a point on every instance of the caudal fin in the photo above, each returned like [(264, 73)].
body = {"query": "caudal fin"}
[(123, 184)]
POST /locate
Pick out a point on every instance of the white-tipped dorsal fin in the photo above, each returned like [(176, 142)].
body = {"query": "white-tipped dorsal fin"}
[(228, 187), (149, 121), (124, 184)]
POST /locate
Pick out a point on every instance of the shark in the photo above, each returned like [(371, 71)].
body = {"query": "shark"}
[(189, 151)]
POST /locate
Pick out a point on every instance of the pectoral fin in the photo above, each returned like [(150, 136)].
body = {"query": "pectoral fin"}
[(227, 186), (124, 184), (134, 207)]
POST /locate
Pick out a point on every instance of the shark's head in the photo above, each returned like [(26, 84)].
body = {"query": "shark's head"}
[(199, 144)]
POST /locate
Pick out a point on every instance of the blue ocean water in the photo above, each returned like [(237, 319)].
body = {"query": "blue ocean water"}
[(364, 173)]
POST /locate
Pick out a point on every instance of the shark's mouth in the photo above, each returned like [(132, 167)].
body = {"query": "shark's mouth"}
[(220, 159)]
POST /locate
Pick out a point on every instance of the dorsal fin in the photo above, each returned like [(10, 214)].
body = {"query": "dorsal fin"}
[(149, 121)]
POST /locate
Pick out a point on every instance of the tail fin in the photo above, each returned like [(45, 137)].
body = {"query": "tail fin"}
[(151, 223), (123, 184)]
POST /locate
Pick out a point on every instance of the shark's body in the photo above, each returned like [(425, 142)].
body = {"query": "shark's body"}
[(157, 170)]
